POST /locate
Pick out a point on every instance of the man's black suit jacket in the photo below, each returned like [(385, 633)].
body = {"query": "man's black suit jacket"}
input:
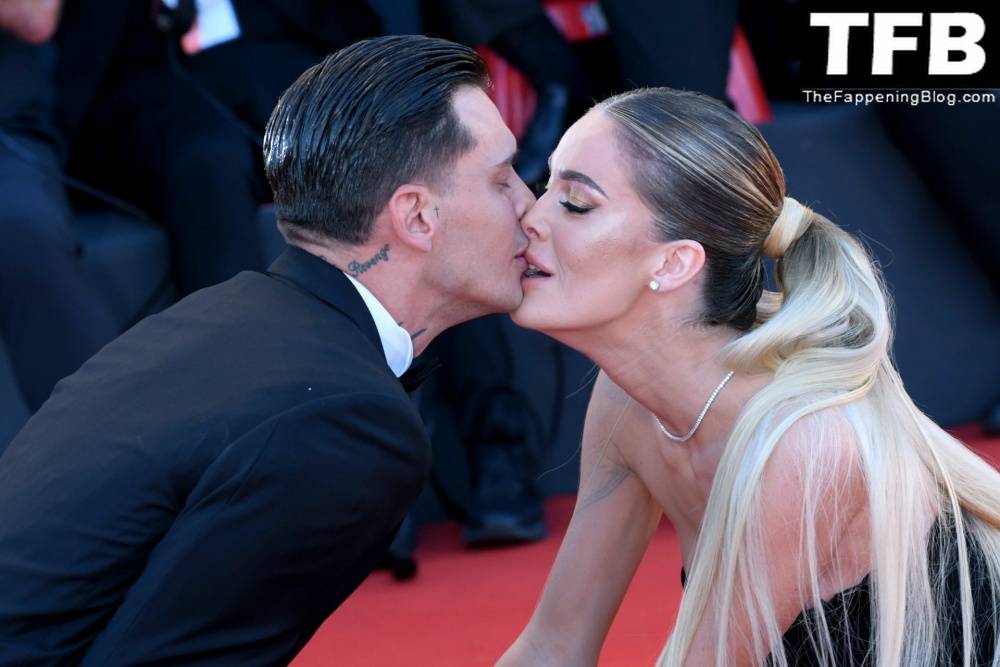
[(211, 485)]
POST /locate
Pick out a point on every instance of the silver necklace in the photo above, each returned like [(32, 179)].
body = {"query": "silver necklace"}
[(704, 411)]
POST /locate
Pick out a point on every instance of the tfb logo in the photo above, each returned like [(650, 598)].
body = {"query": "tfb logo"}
[(953, 46), (896, 44)]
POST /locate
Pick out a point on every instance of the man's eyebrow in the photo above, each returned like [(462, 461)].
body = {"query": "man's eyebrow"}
[(571, 175), (509, 161)]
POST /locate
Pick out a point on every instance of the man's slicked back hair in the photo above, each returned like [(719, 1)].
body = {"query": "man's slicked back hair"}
[(365, 120)]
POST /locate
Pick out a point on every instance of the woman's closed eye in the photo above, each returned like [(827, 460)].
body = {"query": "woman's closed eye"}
[(575, 208)]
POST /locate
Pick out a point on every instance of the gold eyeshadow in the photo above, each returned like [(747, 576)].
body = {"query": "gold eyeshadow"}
[(575, 198)]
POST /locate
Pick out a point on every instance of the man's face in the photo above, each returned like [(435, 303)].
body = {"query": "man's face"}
[(477, 258)]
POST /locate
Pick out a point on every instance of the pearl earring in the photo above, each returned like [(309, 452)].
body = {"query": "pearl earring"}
[(654, 285)]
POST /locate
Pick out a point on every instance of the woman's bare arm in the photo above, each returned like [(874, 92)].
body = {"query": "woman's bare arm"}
[(612, 524)]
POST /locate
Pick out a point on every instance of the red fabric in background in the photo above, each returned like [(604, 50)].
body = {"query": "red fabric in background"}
[(465, 607)]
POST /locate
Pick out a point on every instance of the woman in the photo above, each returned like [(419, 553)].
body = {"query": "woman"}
[(822, 518)]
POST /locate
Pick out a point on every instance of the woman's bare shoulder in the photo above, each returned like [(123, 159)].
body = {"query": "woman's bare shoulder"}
[(615, 418), (815, 476), (825, 436), (611, 410), (607, 394), (817, 461)]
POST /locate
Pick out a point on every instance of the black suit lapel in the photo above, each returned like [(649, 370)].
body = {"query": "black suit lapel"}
[(314, 275)]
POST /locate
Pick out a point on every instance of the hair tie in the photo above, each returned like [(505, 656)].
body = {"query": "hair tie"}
[(792, 222)]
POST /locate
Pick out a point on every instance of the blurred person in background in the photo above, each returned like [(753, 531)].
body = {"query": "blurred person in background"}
[(675, 43), (522, 33), (52, 316), (165, 104), (493, 419)]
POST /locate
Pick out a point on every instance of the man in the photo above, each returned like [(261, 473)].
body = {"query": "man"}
[(211, 485)]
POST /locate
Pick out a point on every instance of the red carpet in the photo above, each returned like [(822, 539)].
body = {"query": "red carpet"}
[(465, 607)]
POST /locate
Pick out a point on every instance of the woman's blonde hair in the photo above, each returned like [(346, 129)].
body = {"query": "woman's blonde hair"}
[(709, 176)]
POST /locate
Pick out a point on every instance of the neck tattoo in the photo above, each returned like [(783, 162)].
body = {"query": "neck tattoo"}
[(355, 268)]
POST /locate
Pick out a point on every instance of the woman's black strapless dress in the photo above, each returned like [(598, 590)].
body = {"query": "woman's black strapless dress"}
[(848, 615)]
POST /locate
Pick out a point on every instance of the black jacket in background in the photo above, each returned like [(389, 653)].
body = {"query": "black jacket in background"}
[(91, 33), (210, 486)]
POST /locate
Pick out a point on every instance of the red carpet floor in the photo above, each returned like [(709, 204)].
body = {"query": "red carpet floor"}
[(465, 607)]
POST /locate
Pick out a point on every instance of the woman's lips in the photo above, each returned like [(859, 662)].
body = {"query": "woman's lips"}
[(536, 270)]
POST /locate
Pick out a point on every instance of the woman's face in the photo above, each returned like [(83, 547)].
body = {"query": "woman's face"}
[(589, 233)]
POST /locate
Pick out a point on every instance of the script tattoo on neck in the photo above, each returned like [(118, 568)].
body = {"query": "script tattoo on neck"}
[(356, 268), (413, 336)]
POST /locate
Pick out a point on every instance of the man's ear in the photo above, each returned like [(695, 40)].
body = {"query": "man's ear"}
[(413, 216), (677, 263)]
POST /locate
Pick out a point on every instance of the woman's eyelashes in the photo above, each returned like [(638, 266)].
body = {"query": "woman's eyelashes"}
[(574, 208), (577, 209)]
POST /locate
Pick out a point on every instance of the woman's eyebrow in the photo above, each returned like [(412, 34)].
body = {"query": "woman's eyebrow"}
[(571, 175)]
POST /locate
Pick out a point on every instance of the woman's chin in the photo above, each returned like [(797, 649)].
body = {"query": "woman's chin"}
[(528, 315), (521, 317)]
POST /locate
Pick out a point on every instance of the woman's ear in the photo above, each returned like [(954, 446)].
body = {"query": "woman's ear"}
[(679, 262), (413, 216)]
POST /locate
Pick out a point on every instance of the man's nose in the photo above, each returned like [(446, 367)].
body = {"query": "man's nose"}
[(524, 199)]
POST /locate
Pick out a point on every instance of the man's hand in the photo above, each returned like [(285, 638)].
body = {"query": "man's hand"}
[(33, 21)]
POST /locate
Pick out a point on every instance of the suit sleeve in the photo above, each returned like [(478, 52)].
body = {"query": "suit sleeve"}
[(278, 532)]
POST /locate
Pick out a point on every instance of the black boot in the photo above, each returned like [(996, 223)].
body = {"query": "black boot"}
[(399, 559)]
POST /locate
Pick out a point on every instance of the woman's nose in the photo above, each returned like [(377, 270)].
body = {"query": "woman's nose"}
[(532, 224)]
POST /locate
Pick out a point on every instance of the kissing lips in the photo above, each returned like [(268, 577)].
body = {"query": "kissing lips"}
[(535, 270)]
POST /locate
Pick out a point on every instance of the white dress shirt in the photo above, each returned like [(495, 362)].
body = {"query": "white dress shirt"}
[(396, 342)]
